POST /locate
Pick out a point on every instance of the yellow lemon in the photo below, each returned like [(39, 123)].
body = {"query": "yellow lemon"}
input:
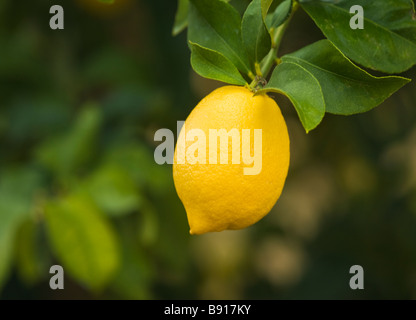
[(231, 160)]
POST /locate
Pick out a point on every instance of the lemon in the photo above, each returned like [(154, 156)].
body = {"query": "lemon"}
[(220, 196)]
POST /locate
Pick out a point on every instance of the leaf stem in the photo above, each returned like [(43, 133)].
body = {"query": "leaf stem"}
[(268, 61)]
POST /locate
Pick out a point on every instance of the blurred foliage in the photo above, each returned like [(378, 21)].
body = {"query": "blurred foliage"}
[(79, 186)]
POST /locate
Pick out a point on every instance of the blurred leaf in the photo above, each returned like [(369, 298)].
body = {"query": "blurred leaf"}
[(83, 240), (134, 278), (148, 225), (138, 161), (67, 153), (7, 231), (128, 103), (207, 28), (30, 261), (17, 187), (20, 57), (213, 65), (256, 38), (114, 190), (388, 41), (136, 275), (112, 65), (3, 6), (280, 14), (303, 90), (35, 117), (181, 18), (173, 231), (347, 89), (3, 125), (107, 1)]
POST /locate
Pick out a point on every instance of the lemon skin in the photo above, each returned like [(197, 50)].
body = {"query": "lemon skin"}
[(221, 197)]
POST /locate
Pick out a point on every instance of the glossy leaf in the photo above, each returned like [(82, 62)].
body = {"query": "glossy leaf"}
[(213, 65), (388, 41), (216, 25), (302, 89), (256, 37), (265, 5), (181, 17), (347, 89), (239, 5), (280, 14), (83, 240)]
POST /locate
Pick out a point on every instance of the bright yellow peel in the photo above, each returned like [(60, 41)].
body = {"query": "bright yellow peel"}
[(220, 196)]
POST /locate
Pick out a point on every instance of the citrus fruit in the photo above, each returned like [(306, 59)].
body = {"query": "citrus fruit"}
[(220, 193)]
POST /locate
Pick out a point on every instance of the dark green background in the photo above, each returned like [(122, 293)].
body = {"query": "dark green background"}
[(350, 196)]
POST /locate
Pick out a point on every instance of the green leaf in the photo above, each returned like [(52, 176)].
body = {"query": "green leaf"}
[(213, 65), (113, 190), (280, 15), (31, 260), (83, 240), (303, 90), (7, 232), (17, 188), (347, 89), (136, 274), (148, 228), (265, 5), (139, 163), (66, 153), (216, 25), (107, 1), (320, 78), (388, 41), (256, 37), (181, 17), (239, 5)]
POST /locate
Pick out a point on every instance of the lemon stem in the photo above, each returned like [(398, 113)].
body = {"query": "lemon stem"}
[(271, 57)]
